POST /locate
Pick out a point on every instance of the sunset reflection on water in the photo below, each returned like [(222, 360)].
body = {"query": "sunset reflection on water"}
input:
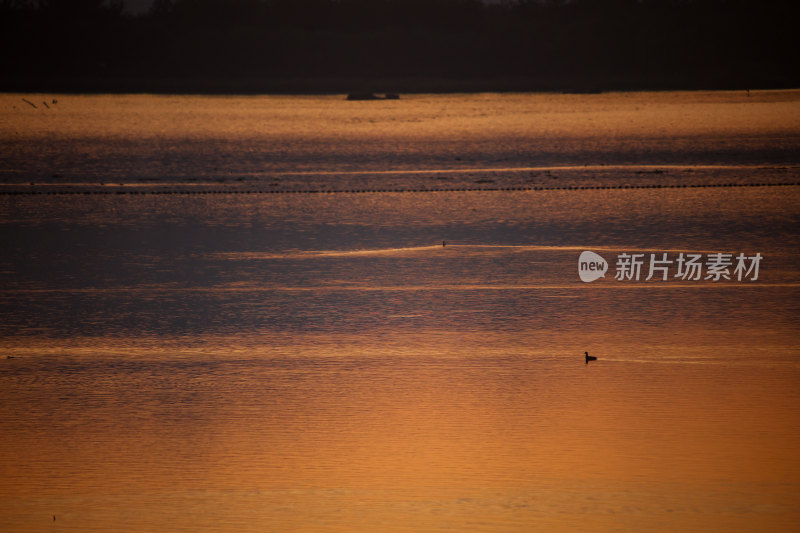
[(315, 362)]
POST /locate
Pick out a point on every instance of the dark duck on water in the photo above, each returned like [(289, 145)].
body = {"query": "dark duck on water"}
[(589, 357)]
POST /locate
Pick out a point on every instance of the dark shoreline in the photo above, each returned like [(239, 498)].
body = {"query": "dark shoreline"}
[(408, 85), (398, 46)]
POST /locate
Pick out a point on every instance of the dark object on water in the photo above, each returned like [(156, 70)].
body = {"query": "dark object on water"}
[(372, 96), (444, 243), (589, 357)]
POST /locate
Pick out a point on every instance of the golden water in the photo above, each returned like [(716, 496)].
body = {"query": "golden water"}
[(321, 363)]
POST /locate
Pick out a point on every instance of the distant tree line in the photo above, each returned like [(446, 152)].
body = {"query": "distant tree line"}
[(538, 44)]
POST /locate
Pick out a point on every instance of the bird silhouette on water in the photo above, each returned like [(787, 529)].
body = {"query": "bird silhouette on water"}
[(589, 357)]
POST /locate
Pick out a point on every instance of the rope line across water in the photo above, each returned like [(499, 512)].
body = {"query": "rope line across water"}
[(186, 192)]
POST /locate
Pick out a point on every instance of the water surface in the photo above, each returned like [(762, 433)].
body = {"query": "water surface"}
[(320, 362)]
